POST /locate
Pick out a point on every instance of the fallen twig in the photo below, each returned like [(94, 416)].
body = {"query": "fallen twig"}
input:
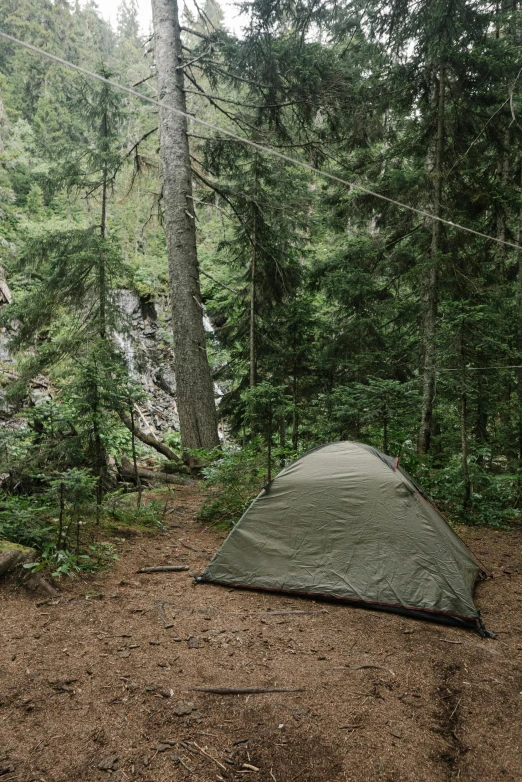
[(283, 613), (207, 755), (162, 615), (163, 569), (455, 709), (185, 545), (447, 641), (244, 690), (180, 760)]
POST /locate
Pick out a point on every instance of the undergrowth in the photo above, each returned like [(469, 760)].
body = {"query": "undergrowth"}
[(63, 525), (232, 478)]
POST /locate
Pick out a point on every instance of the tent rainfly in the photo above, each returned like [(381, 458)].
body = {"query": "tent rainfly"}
[(345, 522)]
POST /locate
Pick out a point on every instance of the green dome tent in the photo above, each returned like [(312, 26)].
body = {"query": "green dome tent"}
[(345, 522)]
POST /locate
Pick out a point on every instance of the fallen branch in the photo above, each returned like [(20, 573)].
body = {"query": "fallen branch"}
[(284, 613), (163, 616), (127, 473), (5, 294), (244, 690), (163, 569), (207, 755), (148, 439), (447, 641)]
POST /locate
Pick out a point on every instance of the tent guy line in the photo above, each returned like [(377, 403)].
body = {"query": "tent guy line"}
[(254, 144)]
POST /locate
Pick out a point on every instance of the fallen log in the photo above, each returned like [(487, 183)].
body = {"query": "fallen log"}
[(163, 569), (148, 439), (6, 296), (127, 472), (245, 690)]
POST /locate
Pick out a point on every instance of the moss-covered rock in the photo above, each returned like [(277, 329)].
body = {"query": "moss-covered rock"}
[(7, 545)]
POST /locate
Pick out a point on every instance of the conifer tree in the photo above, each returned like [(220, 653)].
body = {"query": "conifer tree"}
[(194, 387)]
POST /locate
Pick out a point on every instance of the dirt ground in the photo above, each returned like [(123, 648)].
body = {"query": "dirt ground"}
[(97, 684)]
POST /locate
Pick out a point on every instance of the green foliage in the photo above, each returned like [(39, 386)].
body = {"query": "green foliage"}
[(121, 510), (61, 523), (315, 291), (25, 520), (495, 497), (62, 562), (232, 480)]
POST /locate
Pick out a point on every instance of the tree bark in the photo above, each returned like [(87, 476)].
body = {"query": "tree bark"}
[(464, 443), (5, 293), (253, 272), (195, 390), (429, 285), (252, 335), (519, 327)]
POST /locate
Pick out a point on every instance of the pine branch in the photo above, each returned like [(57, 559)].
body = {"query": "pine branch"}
[(191, 62), (244, 105), (136, 145), (210, 277), (151, 76), (212, 102)]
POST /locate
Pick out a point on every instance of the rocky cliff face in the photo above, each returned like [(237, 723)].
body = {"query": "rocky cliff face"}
[(145, 341)]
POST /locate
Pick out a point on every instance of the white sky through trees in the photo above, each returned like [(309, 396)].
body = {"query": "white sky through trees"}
[(109, 10)]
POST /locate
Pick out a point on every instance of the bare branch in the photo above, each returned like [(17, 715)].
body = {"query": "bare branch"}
[(239, 103), (193, 32), (210, 277), (191, 62), (136, 145), (144, 80)]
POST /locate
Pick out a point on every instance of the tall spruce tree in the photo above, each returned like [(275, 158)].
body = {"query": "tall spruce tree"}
[(194, 387)]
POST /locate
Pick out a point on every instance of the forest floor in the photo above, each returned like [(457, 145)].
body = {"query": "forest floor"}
[(96, 684)]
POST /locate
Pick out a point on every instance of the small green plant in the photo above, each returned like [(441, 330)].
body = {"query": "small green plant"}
[(232, 481), (26, 520), (122, 509), (264, 406), (61, 562)]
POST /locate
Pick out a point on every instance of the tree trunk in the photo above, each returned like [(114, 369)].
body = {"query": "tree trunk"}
[(503, 174), (429, 285), (481, 421), (463, 420), (252, 335), (5, 293), (135, 459), (127, 471), (519, 329), (253, 272), (464, 442), (195, 391)]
